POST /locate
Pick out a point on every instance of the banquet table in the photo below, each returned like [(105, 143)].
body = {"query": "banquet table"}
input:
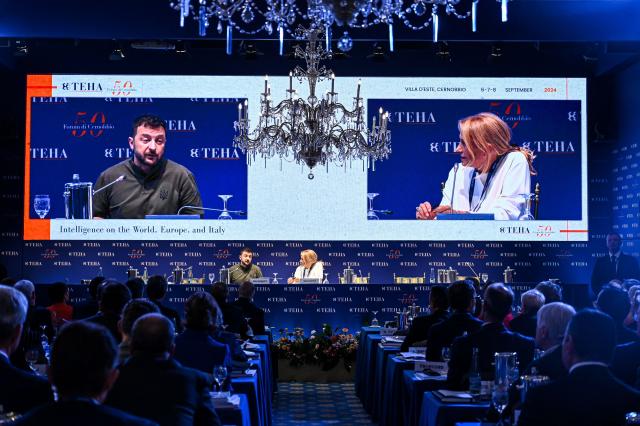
[(379, 397), (362, 361), (437, 413), (412, 392), (392, 413), (230, 414)]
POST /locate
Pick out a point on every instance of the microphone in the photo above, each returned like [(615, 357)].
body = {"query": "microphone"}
[(238, 212), (453, 189), (119, 179)]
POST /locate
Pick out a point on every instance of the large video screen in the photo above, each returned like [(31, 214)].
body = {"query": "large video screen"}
[(80, 131)]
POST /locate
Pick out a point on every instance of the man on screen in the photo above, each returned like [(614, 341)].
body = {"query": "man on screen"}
[(148, 183), (494, 177)]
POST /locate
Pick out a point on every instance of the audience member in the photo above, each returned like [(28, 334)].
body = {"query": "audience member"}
[(250, 310), (615, 303), (631, 320), (462, 300), (231, 315), (551, 291), (156, 291), (133, 310), (590, 394), (19, 391), (419, 329), (61, 311), (553, 319), (88, 308), (195, 347), (136, 287), (155, 386), (113, 297), (492, 337), (8, 281), (615, 265), (525, 322)]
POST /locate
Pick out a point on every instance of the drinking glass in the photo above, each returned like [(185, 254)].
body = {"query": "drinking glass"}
[(500, 398), (211, 276), (220, 375), (446, 354), (275, 278), (225, 212), (526, 208), (371, 214), (374, 321), (484, 277), (31, 356), (326, 278), (42, 205)]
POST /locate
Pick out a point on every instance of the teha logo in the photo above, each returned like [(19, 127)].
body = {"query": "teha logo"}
[(49, 154), (209, 153), (479, 254), (82, 86)]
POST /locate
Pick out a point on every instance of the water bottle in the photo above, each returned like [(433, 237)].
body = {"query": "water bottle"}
[(432, 276), (475, 382)]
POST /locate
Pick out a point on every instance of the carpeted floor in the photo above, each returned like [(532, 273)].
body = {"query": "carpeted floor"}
[(318, 404)]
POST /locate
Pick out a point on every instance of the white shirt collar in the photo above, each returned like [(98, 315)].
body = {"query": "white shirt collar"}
[(582, 364), (616, 254)]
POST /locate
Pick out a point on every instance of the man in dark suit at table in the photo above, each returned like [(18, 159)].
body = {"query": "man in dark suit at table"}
[(462, 297), (525, 322), (615, 265), (156, 292), (231, 315), (615, 303), (19, 390), (419, 330), (250, 310), (83, 369), (155, 386), (113, 297), (590, 394), (553, 319), (492, 337)]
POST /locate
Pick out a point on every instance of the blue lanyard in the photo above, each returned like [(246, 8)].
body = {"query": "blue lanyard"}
[(472, 185)]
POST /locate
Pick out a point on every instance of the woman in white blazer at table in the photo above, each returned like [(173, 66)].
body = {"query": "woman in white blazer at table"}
[(310, 267)]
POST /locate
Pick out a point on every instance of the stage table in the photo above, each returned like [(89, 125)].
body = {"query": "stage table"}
[(236, 415), (412, 392), (437, 413)]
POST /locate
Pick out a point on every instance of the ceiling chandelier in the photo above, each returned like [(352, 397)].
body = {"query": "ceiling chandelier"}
[(317, 130), (250, 17)]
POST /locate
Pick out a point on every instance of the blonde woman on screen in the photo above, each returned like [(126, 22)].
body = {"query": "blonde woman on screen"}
[(310, 267)]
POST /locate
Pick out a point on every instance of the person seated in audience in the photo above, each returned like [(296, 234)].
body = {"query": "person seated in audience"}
[(61, 311), (88, 308), (631, 320), (590, 394), (419, 329), (19, 391), (232, 316), (155, 386), (113, 297), (492, 337), (626, 357), (136, 287), (83, 369), (133, 310), (156, 292), (615, 303), (553, 319), (525, 322), (250, 310), (195, 347), (551, 291), (462, 296), (8, 281), (38, 322)]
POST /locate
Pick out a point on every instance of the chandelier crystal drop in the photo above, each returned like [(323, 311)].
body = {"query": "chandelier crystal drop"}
[(315, 130)]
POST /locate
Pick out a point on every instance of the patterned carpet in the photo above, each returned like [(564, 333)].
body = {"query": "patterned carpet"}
[(318, 404)]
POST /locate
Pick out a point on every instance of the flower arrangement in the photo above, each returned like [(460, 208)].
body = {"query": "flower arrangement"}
[(325, 348)]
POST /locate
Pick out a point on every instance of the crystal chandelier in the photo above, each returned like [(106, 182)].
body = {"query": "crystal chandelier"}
[(250, 17), (317, 130)]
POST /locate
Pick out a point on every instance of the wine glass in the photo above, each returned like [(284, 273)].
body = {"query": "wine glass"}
[(42, 205), (225, 212), (326, 278), (220, 375), (526, 208), (212, 275), (374, 320), (484, 277), (371, 214), (31, 355), (275, 278), (500, 398), (249, 329), (446, 354)]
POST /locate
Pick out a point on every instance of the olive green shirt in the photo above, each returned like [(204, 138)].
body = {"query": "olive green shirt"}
[(240, 274)]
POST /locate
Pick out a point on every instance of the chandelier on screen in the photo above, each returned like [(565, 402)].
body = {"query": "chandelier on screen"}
[(315, 130), (251, 17)]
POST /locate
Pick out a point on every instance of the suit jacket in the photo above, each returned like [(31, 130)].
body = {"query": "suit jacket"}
[(85, 309), (604, 271), (420, 326), (550, 364), (165, 392), (172, 314), (108, 320), (21, 391), (229, 339), (489, 339), (625, 334), (626, 360), (443, 333), (80, 413), (252, 311), (197, 349), (234, 319), (589, 395), (524, 324)]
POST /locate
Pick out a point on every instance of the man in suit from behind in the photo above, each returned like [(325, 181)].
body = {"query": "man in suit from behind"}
[(155, 386), (113, 297), (83, 369), (615, 303), (156, 291), (250, 310), (19, 390), (492, 337), (525, 323), (419, 330), (133, 310), (462, 297), (231, 315), (615, 265), (590, 394), (553, 319)]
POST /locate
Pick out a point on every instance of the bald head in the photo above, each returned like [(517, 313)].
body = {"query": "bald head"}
[(498, 299), (152, 335)]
